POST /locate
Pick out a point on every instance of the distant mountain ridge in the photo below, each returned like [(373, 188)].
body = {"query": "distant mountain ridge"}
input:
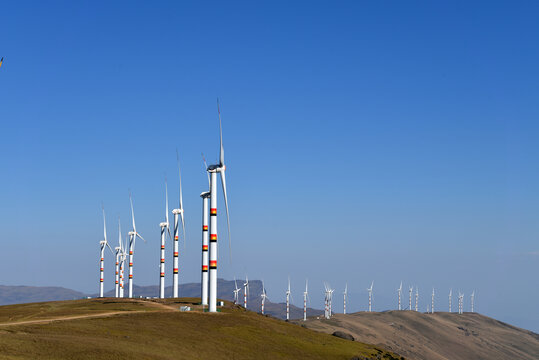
[(26, 294)]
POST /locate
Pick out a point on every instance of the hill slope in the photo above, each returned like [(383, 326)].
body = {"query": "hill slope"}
[(436, 336), (143, 329), (26, 294)]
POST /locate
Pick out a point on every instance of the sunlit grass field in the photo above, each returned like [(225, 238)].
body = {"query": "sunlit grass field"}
[(151, 329)]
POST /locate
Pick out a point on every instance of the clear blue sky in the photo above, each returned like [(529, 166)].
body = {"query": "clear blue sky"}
[(364, 141)]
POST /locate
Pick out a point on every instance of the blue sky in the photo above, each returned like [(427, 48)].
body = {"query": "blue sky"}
[(364, 141)]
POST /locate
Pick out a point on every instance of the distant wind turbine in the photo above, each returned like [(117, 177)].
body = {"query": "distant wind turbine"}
[(410, 297), (416, 298), (399, 291), (133, 234), (305, 297), (177, 213), (164, 225), (288, 300), (117, 251), (432, 305), (263, 296), (450, 296), (370, 296), (345, 296), (103, 243), (472, 300), (236, 292), (245, 291)]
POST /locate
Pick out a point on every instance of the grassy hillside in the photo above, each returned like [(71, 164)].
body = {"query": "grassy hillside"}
[(142, 329), (435, 336)]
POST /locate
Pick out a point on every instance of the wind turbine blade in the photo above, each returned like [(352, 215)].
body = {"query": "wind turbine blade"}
[(104, 223), (181, 198), (221, 150), (132, 212), (112, 251), (119, 233), (166, 202), (140, 236), (223, 183), (206, 169)]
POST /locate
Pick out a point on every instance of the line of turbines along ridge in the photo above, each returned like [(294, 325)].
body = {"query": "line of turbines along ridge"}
[(126, 249), (328, 298)]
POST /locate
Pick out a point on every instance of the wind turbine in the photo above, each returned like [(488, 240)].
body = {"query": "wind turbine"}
[(410, 293), (103, 243), (331, 301), (236, 292), (245, 291), (288, 301), (213, 170), (123, 257), (263, 296), (432, 306), (204, 275), (345, 296), (472, 299), (164, 225), (370, 296), (399, 290), (450, 296), (133, 234), (305, 297), (177, 213), (118, 250), (416, 298), (326, 301), (461, 297)]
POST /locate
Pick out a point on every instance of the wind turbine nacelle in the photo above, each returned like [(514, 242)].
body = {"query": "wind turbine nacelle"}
[(205, 194), (131, 233), (177, 211), (163, 225), (102, 242)]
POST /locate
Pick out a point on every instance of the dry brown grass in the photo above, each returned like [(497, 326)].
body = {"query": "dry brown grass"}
[(157, 330)]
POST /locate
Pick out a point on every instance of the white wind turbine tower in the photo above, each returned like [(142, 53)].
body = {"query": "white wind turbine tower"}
[(345, 296), (326, 301), (245, 291), (123, 257), (331, 302), (103, 243), (370, 296), (288, 300), (263, 296), (178, 213), (416, 298), (472, 299), (236, 292), (399, 291), (164, 225), (461, 297), (133, 234), (450, 296), (204, 275), (432, 304), (410, 295), (118, 250), (213, 170), (305, 297)]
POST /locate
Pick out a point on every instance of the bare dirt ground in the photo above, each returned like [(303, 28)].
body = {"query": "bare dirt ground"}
[(438, 336)]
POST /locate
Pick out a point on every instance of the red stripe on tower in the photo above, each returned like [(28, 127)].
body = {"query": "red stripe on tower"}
[(130, 276), (213, 211), (204, 267), (162, 247), (175, 271), (213, 237), (204, 247), (175, 254), (162, 274), (213, 264), (175, 237), (205, 227)]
